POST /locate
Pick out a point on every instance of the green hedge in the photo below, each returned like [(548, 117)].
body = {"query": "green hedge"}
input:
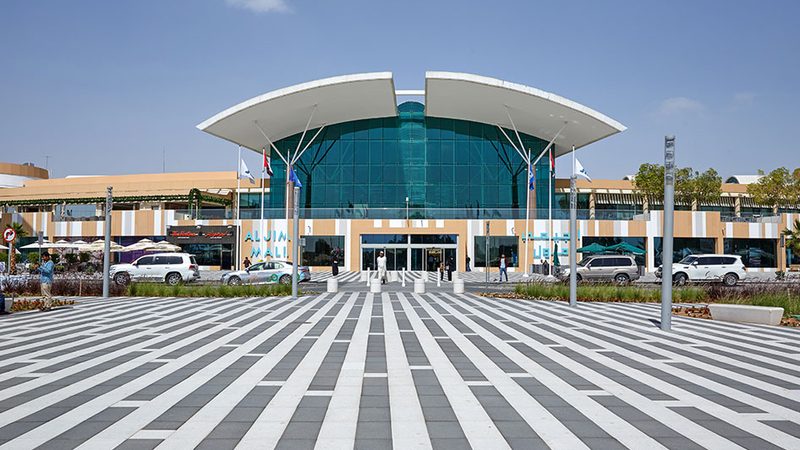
[(785, 297), (182, 290)]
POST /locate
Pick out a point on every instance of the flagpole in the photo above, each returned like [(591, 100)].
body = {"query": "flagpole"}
[(238, 252), (261, 222), (550, 215), (527, 213), (573, 234)]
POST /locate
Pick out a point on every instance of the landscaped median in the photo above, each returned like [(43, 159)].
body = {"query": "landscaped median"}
[(207, 290), (778, 295)]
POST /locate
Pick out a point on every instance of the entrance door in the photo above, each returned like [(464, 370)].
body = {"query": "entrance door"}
[(433, 257)]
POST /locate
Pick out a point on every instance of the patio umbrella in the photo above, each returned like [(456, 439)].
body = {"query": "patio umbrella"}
[(594, 247), (35, 245), (624, 247), (99, 246), (556, 261), (143, 245), (165, 246)]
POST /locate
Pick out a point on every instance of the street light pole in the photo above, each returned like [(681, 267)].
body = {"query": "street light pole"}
[(296, 237), (669, 219), (107, 243), (573, 232)]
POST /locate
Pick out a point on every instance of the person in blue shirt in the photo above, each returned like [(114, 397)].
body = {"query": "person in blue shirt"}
[(46, 281)]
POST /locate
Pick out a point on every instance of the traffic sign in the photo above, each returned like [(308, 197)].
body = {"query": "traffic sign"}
[(9, 234)]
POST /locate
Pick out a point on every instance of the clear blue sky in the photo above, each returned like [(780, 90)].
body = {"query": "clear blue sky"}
[(104, 86)]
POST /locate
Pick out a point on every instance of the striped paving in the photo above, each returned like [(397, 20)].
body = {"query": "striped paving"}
[(345, 277), (393, 370)]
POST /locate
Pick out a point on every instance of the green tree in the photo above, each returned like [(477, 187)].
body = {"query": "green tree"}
[(698, 187), (20, 233), (793, 237), (777, 188), (649, 181), (689, 185)]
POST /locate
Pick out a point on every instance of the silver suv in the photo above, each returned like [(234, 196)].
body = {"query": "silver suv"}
[(618, 268)]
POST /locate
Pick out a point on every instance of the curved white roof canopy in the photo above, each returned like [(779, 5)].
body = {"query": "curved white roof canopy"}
[(534, 112), (285, 112), (744, 179)]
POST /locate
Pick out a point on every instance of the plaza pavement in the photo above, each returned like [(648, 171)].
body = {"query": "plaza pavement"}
[(357, 370)]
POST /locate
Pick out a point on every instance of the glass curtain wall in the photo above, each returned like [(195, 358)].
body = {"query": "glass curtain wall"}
[(498, 245), (318, 250), (435, 162)]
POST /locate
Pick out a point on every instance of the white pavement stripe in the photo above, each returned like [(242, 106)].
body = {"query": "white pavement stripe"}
[(478, 427), (656, 410), (408, 422), (339, 427), (550, 429), (268, 428)]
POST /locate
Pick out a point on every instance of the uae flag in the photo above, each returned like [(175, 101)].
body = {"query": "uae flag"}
[(267, 166), (552, 161)]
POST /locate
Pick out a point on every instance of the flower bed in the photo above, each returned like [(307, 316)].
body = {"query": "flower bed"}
[(33, 304), (183, 290)]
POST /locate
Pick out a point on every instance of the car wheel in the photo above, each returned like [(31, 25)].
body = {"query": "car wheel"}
[(730, 279), (122, 279), (680, 279), (622, 278), (234, 281), (173, 278), (286, 279)]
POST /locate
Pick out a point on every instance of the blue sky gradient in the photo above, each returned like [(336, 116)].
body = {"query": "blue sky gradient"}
[(103, 87)]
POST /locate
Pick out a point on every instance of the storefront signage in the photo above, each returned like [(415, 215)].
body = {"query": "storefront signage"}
[(271, 244), (557, 237), (202, 234)]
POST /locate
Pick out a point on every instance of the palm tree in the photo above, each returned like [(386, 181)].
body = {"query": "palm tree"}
[(18, 228), (793, 237)]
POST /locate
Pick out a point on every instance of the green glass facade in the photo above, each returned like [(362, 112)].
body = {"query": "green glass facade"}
[(439, 164)]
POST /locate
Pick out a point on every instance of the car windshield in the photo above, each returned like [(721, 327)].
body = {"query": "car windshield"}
[(688, 260), (259, 266), (584, 261)]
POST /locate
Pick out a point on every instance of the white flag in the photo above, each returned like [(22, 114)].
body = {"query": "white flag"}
[(580, 171), (244, 172)]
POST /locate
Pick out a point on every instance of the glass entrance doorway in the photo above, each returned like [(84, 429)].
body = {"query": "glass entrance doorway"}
[(420, 252)]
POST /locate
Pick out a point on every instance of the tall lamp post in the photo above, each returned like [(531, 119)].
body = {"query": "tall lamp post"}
[(107, 244), (669, 219)]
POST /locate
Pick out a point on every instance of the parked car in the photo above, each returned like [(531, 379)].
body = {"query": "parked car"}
[(171, 268), (617, 268), (275, 271), (728, 269)]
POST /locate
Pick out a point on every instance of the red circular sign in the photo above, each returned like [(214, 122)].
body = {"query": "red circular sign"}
[(9, 234)]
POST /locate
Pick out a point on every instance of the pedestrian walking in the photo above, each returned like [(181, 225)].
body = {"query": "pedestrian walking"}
[(545, 267), (46, 281), (450, 267), (335, 261), (246, 263), (381, 260), (503, 268), (468, 261)]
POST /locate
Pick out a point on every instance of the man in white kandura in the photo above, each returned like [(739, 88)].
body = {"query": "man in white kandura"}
[(382, 268)]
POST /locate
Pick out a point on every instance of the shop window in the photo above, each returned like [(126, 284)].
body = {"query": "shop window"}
[(683, 247), (754, 252), (319, 250), (498, 245)]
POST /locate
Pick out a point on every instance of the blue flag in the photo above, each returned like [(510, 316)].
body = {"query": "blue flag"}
[(293, 178), (531, 179)]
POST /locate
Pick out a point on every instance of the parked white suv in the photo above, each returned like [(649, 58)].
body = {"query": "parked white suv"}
[(728, 269), (171, 268)]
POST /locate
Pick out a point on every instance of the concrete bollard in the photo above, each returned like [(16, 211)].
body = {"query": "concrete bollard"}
[(404, 277), (419, 286), (333, 285), (438, 279), (458, 286), (375, 287), (367, 276), (455, 276)]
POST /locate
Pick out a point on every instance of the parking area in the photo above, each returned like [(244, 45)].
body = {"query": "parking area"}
[(391, 370)]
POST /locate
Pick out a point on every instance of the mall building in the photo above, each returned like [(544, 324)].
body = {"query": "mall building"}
[(424, 175)]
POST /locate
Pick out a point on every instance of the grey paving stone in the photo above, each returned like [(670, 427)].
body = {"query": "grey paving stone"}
[(450, 444), (296, 444), (373, 444), (139, 444), (527, 444), (373, 430), (302, 430), (373, 414), (244, 414), (218, 444)]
